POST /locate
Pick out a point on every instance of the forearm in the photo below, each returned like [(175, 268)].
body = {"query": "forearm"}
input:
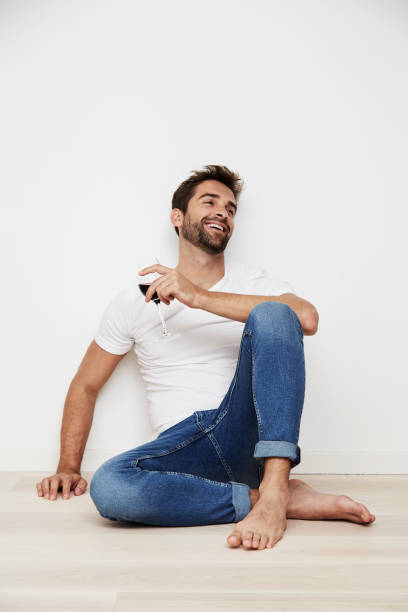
[(238, 306), (76, 424)]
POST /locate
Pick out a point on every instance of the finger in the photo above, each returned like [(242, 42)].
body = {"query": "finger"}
[(151, 289), (54, 487), (158, 287), (81, 486), (46, 487), (149, 293), (154, 268), (66, 488), (164, 291), (39, 489)]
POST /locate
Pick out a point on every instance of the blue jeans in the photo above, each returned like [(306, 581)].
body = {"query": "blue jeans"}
[(199, 471)]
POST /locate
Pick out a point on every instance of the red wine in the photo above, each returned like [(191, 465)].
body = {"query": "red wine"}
[(144, 290)]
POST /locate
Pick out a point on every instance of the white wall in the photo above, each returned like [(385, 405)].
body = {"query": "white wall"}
[(107, 106)]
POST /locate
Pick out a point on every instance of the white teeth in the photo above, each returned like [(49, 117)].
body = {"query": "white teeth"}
[(217, 226)]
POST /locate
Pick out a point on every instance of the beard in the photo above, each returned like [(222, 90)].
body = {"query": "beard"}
[(201, 237)]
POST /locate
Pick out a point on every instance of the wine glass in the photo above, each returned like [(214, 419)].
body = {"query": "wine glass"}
[(144, 283)]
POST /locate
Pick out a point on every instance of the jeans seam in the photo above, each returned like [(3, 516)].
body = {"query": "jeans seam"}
[(222, 415), (248, 332), (198, 422), (168, 452), (208, 430), (299, 325), (258, 418), (224, 484), (218, 451)]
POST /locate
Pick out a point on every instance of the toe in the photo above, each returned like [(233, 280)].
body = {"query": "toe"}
[(364, 513), (255, 540), (247, 540), (234, 539), (262, 543), (370, 517)]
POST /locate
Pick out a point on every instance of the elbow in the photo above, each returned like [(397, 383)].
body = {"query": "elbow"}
[(310, 323)]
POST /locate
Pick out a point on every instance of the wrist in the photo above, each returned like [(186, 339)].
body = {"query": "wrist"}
[(63, 467), (199, 297)]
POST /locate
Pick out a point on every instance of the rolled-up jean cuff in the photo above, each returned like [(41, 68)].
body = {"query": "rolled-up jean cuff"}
[(241, 500), (277, 448)]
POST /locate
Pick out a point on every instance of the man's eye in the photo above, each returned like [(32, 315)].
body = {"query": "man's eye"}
[(231, 211)]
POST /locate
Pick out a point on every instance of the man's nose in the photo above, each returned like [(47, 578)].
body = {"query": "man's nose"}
[(221, 213)]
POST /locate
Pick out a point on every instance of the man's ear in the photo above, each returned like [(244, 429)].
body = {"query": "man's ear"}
[(176, 217)]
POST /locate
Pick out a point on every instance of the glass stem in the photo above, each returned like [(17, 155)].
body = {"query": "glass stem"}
[(165, 332)]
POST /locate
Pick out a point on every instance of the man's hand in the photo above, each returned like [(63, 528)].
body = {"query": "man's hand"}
[(49, 487), (172, 284)]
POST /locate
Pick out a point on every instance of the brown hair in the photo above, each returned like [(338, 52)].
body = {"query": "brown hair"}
[(187, 189)]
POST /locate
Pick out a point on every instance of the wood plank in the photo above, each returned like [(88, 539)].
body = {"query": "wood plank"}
[(288, 602), (248, 576), (63, 555), (201, 547)]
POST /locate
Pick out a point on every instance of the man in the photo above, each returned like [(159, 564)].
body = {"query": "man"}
[(225, 392)]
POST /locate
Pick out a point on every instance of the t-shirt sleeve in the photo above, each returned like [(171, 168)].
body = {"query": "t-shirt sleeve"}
[(264, 283), (114, 333)]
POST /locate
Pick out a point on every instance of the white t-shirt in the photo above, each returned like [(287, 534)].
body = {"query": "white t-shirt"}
[(194, 370)]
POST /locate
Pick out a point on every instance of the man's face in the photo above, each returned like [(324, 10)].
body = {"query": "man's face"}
[(212, 203)]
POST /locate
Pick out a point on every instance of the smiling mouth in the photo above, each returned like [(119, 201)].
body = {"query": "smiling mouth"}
[(215, 229)]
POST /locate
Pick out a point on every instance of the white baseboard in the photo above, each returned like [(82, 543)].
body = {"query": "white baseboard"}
[(312, 462), (352, 462)]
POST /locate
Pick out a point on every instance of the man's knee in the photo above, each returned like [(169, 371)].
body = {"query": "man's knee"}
[(118, 496), (100, 490), (274, 316), (107, 491), (269, 310)]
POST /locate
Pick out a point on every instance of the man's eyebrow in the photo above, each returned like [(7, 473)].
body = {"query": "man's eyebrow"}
[(215, 195)]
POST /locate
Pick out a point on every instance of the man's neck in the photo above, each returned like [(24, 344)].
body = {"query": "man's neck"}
[(202, 269)]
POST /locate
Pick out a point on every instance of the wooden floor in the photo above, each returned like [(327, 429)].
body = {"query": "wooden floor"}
[(62, 555)]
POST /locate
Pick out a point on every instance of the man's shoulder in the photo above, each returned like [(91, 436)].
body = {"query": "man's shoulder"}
[(246, 270), (258, 279), (129, 291), (125, 297)]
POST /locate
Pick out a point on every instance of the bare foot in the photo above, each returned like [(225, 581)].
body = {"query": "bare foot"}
[(263, 526), (306, 503)]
